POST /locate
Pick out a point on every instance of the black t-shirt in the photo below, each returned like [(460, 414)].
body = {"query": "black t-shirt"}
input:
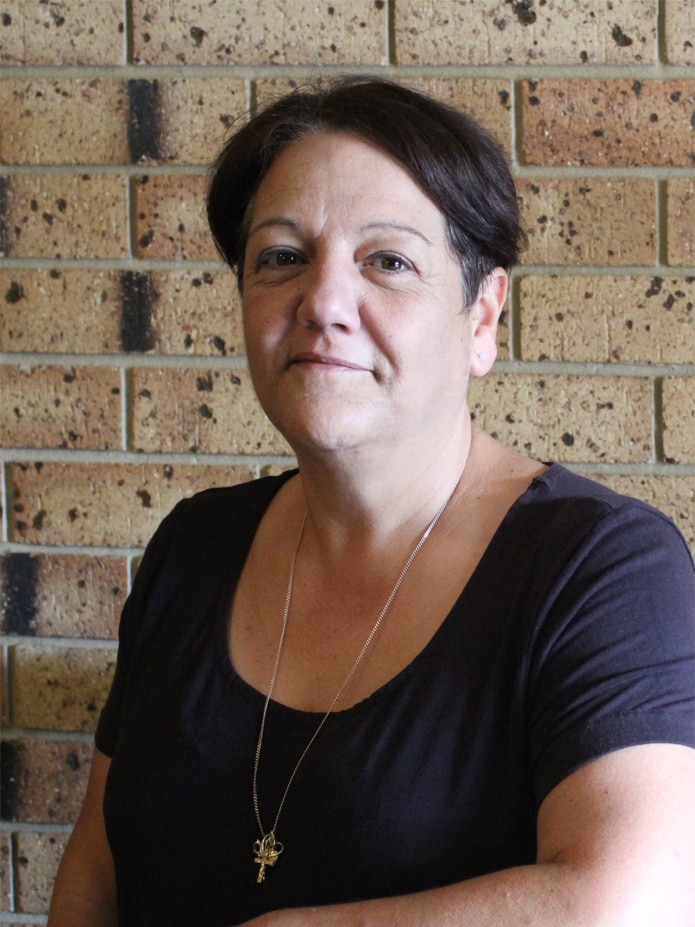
[(573, 638)]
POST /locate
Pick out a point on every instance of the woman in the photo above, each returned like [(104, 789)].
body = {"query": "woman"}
[(424, 679)]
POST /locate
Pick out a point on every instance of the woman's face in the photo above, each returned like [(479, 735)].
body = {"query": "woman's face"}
[(353, 304)]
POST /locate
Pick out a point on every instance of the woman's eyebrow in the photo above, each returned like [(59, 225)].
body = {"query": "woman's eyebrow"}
[(274, 221), (395, 226)]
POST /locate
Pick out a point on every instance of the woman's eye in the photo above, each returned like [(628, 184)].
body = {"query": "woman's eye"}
[(389, 262), (278, 257)]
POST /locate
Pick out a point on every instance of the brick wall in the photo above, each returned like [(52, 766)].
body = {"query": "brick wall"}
[(124, 384)]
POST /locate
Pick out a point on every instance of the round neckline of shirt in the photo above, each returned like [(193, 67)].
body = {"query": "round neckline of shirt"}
[(300, 716)]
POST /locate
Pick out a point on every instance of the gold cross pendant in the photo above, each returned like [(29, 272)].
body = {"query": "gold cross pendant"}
[(265, 853)]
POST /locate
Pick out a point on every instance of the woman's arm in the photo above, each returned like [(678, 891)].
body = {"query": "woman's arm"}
[(85, 889), (616, 848)]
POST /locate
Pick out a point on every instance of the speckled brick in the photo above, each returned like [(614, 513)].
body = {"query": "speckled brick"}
[(592, 221), (66, 121), (115, 505), (486, 99), (197, 313), (171, 220), (568, 418), (66, 216), (673, 495), (615, 123), (45, 779), (67, 32), (681, 221), (190, 117), (679, 32), (607, 319), (67, 311), (76, 407), (268, 32), (678, 398), (6, 893), (481, 32), (59, 688), (38, 857), (62, 595), (202, 411)]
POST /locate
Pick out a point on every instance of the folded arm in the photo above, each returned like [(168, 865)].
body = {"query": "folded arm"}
[(616, 848)]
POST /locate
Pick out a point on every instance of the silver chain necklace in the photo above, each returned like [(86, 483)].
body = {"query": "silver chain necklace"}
[(268, 848)]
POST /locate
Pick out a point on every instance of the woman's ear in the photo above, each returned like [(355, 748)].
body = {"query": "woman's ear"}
[(485, 314)]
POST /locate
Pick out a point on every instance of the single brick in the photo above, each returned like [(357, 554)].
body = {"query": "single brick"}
[(59, 688), (38, 857), (115, 505), (64, 121), (199, 411), (484, 32), (62, 595), (77, 407), (62, 32), (679, 419), (66, 216), (608, 122), (6, 893), (297, 32), (171, 220), (193, 116), (604, 319), (486, 99), (592, 221), (568, 418), (681, 221), (673, 495), (196, 313), (679, 32), (60, 311), (44, 780)]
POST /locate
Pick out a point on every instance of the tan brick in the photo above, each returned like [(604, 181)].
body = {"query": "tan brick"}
[(213, 411), (288, 32), (38, 857), (104, 504), (171, 220), (592, 221), (486, 99), (616, 123), (45, 779), (673, 495), (68, 32), (681, 221), (474, 32), (64, 122), (62, 595), (567, 418), (193, 117), (65, 216), (197, 313), (679, 419), (66, 311), (679, 31), (61, 407), (6, 893), (59, 688), (604, 319)]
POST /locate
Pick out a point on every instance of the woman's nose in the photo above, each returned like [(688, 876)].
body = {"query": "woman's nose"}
[(330, 296)]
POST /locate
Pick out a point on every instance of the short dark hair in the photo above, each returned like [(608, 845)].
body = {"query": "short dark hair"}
[(455, 162)]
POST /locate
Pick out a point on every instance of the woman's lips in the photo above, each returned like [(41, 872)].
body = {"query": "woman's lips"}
[(324, 360)]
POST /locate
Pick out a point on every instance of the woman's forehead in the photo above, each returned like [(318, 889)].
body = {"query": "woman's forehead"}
[(342, 175)]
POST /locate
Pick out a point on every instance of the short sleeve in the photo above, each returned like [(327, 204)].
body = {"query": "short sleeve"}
[(613, 663), (149, 583)]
